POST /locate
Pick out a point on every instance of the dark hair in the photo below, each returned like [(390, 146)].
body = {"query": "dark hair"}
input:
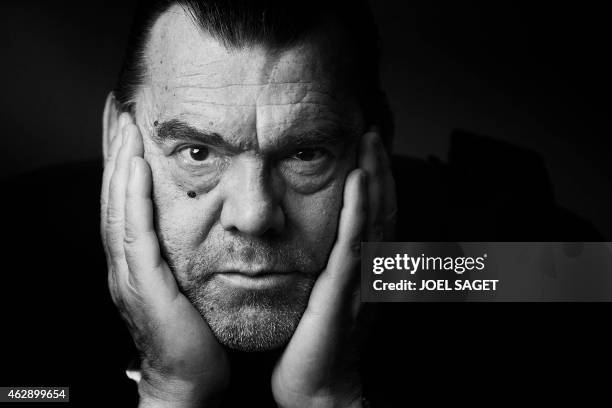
[(275, 23)]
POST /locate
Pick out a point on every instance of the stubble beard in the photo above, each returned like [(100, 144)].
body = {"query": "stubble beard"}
[(250, 320)]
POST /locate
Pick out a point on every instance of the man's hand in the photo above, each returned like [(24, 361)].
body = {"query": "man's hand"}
[(183, 365), (319, 366)]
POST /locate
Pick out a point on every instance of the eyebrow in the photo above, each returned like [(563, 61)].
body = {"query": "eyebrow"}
[(175, 129), (323, 134)]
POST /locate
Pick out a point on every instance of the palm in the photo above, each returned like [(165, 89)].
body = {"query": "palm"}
[(187, 347)]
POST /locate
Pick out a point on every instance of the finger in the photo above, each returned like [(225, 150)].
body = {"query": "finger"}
[(327, 321), (109, 169), (148, 273), (370, 162), (109, 163), (337, 280), (131, 146), (323, 326)]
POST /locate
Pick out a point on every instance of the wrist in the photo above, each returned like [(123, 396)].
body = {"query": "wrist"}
[(344, 399), (158, 392), (338, 402)]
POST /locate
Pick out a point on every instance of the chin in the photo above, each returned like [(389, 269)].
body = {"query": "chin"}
[(253, 329), (252, 320)]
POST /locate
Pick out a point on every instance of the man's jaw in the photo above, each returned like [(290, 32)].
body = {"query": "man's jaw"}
[(252, 312)]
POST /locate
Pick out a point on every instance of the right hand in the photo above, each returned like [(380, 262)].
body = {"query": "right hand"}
[(183, 365)]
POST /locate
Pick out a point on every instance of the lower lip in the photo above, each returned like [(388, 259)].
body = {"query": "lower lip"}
[(257, 281)]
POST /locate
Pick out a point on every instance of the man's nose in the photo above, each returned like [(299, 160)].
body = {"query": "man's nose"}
[(250, 204)]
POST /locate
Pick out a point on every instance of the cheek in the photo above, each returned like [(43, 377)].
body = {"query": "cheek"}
[(314, 218), (182, 222)]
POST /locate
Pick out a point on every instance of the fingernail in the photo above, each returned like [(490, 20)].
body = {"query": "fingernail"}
[(125, 135), (121, 121)]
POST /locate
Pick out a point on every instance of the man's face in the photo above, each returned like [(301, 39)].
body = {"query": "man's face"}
[(265, 140)]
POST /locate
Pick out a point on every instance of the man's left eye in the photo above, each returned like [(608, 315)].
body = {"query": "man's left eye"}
[(308, 161), (309, 154)]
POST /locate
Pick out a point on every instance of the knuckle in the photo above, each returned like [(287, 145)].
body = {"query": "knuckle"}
[(131, 286), (113, 243), (114, 216), (131, 245), (126, 296), (130, 238)]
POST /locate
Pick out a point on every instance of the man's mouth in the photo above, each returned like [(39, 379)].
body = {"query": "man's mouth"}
[(256, 278)]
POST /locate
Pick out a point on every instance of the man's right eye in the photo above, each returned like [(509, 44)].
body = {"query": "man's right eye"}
[(198, 153), (195, 155), (199, 159)]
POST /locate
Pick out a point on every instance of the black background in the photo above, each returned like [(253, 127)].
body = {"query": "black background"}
[(529, 74), (532, 74)]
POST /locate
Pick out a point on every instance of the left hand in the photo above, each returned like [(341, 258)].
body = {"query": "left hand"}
[(319, 367)]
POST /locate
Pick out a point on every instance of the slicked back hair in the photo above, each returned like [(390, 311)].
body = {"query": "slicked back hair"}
[(276, 24)]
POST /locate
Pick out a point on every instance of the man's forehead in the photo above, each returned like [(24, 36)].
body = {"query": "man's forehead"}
[(193, 76)]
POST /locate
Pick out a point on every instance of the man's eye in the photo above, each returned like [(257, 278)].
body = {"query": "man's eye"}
[(307, 162), (198, 158), (199, 153), (308, 154), (195, 155)]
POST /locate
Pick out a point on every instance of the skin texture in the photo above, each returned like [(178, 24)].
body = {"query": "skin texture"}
[(260, 205), (257, 207)]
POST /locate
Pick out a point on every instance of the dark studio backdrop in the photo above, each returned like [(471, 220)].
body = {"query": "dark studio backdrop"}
[(505, 92), (530, 74)]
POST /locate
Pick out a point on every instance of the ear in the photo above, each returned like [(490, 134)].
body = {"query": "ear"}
[(110, 122)]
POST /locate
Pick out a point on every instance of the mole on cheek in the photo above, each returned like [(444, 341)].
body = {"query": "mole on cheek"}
[(191, 194)]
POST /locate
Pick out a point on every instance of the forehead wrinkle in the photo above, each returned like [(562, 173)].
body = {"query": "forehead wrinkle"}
[(268, 116), (249, 105), (200, 80), (305, 88), (230, 84), (278, 126), (192, 99), (275, 125)]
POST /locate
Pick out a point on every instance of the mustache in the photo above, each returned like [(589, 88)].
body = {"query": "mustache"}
[(240, 253)]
